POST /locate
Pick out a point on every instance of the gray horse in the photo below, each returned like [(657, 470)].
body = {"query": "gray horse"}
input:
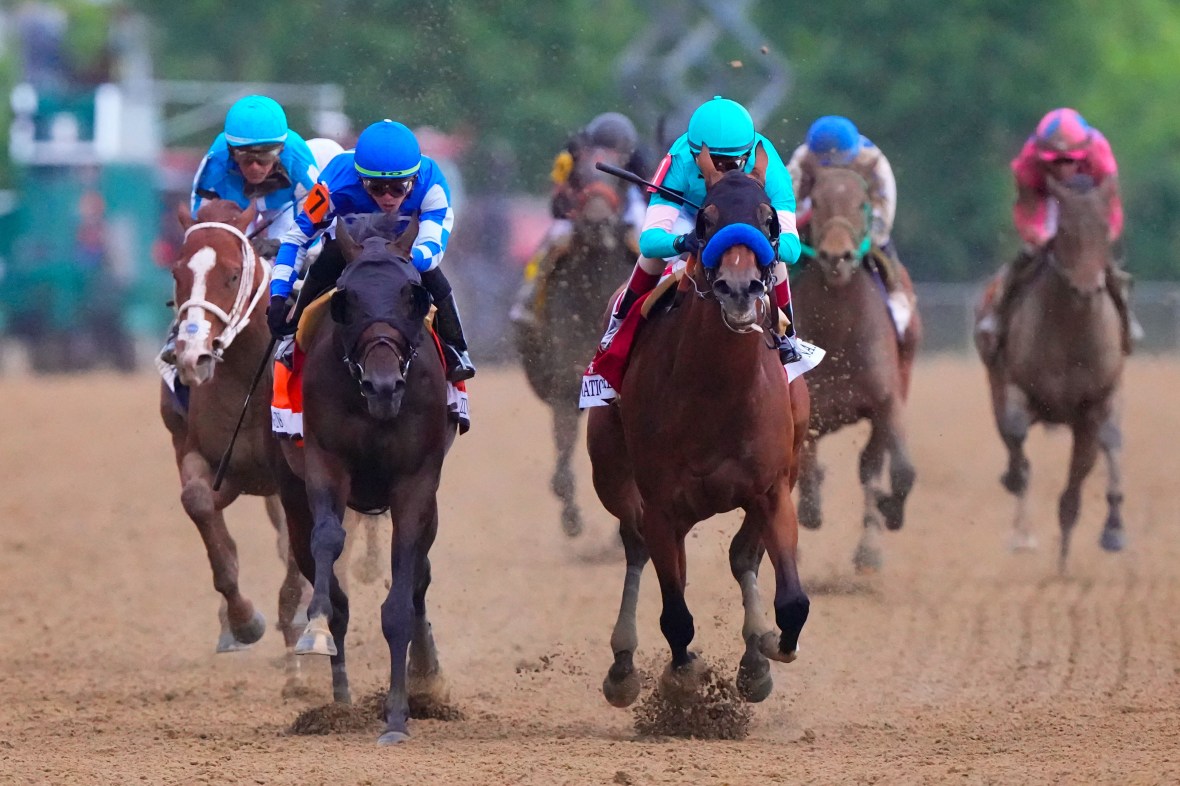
[(1062, 362), (557, 348)]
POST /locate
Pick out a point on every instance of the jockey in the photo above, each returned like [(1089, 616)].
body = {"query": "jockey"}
[(1064, 145), (255, 160), (610, 130), (386, 174), (835, 141), (727, 129)]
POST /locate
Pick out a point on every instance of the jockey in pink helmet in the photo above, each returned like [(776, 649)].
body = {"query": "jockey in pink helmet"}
[(1064, 145)]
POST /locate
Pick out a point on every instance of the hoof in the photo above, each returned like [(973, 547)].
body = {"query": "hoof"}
[(683, 684), (754, 681), (316, 639), (227, 643), (1113, 539), (893, 511), (393, 738), (1022, 542), (622, 684), (232, 640)]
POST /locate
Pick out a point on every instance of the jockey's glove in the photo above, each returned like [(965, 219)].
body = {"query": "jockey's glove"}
[(276, 316), (686, 243)]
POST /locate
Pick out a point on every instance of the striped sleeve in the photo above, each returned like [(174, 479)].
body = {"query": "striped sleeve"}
[(435, 219), (314, 213)]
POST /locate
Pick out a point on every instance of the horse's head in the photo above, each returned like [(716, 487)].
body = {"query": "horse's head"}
[(738, 230), (378, 308), (840, 222), (217, 281), (1081, 249), (599, 200)]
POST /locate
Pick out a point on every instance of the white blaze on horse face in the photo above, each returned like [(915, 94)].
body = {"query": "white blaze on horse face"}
[(196, 327), (739, 296)]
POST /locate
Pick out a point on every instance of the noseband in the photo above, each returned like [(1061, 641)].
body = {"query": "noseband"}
[(356, 368), (247, 298)]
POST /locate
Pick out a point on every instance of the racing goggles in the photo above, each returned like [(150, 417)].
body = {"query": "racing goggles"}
[(729, 163), (377, 186), (256, 155)]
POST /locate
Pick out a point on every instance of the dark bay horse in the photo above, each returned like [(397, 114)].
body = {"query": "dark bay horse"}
[(704, 424), (1062, 362), (840, 305), (220, 289), (556, 349), (376, 430)]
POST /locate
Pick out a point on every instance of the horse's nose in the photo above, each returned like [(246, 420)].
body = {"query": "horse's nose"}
[(382, 388), (195, 371), (757, 288)]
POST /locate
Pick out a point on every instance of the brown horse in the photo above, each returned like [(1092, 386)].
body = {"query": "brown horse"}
[(1062, 362), (556, 349), (376, 430), (840, 305), (220, 287), (704, 424)]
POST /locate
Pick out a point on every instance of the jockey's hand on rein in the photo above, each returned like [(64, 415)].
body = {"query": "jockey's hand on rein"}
[(686, 243), (276, 316)]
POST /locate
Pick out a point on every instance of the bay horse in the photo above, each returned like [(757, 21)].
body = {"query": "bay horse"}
[(554, 351), (220, 287), (704, 424), (1062, 362), (376, 430), (840, 305)]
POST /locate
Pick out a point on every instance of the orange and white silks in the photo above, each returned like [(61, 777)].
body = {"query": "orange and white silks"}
[(286, 407)]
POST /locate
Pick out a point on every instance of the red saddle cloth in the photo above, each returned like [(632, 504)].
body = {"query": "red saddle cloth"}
[(611, 363)]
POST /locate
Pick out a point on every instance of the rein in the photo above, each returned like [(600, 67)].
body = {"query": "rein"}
[(866, 243), (247, 298)]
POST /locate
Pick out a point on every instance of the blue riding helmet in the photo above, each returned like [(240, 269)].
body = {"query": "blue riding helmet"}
[(387, 150), (834, 140), (724, 125), (255, 120)]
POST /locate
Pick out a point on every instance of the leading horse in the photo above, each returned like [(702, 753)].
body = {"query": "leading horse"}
[(704, 424), (841, 306), (376, 429), (219, 285), (580, 278), (1062, 362)]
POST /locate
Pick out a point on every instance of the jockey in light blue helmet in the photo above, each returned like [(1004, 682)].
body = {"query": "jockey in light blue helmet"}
[(255, 120), (834, 140)]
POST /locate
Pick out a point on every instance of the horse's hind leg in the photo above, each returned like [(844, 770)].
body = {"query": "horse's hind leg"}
[(565, 435), (868, 557), (1081, 461), (754, 681), (291, 597), (241, 623), (622, 683), (780, 535), (811, 479), (1110, 438), (901, 468), (1013, 420), (426, 687)]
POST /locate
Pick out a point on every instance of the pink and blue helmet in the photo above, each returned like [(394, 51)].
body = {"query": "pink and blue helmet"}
[(1062, 133)]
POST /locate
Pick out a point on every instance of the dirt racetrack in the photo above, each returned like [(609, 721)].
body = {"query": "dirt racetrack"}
[(959, 663)]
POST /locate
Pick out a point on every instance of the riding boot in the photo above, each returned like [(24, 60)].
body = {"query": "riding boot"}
[(1010, 284), (168, 352), (788, 352), (640, 283), (531, 294), (1118, 283), (448, 327)]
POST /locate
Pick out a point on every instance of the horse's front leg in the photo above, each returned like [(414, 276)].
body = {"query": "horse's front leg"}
[(781, 538), (1081, 460), (1014, 418), (426, 686), (1110, 438), (811, 479), (622, 683), (241, 623), (565, 436), (868, 557), (415, 512), (664, 536), (754, 681), (901, 467)]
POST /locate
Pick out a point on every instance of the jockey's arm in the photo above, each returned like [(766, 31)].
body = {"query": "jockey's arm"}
[(435, 220), (781, 191), (203, 188), (884, 200), (310, 222)]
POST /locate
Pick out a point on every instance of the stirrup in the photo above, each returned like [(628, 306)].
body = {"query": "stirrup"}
[(285, 352), (787, 351), (459, 365), (611, 329)]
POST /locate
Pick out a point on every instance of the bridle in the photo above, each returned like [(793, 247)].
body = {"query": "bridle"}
[(356, 368), (247, 298)]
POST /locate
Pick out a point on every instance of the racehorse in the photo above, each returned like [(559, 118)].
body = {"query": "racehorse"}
[(704, 424), (1062, 362), (376, 430), (579, 278), (841, 306), (220, 285)]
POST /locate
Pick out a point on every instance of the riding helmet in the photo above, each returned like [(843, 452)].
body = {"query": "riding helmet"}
[(724, 125), (255, 120), (1063, 133), (614, 131), (387, 150), (834, 140)]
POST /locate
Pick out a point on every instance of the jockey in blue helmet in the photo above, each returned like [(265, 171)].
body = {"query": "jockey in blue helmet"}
[(385, 175), (727, 129), (835, 141), (256, 160)]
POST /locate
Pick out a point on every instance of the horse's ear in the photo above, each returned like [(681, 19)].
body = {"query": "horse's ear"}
[(705, 162), (760, 162), (348, 247), (421, 299), (338, 307), (405, 241), (246, 217), (184, 216)]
